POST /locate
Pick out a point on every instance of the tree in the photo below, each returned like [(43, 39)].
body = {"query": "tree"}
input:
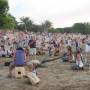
[(37, 28), (79, 27), (27, 23), (87, 25), (4, 7), (83, 28), (46, 25), (7, 21)]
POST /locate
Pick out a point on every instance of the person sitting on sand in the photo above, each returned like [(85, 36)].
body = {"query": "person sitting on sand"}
[(20, 60), (69, 53), (67, 56), (78, 57)]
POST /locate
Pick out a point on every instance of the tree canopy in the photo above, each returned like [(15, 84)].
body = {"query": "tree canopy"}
[(83, 28), (7, 21), (4, 7)]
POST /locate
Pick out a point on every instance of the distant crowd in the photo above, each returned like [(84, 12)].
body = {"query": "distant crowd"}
[(41, 43)]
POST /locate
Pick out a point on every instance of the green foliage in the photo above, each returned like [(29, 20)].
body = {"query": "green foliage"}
[(79, 27), (25, 24), (83, 28), (7, 21), (4, 7)]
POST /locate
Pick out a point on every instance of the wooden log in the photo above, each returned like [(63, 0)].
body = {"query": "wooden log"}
[(50, 59)]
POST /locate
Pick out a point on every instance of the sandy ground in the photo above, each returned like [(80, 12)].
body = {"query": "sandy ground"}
[(56, 75)]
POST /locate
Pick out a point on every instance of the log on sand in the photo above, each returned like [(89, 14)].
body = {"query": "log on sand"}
[(50, 59)]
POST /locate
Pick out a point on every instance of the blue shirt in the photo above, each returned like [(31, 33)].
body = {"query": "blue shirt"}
[(20, 58)]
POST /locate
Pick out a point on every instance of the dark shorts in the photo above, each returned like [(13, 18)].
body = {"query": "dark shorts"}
[(12, 64)]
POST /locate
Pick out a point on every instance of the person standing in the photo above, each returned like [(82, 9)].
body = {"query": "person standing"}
[(32, 45)]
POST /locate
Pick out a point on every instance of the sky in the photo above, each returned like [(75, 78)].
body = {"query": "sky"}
[(62, 13)]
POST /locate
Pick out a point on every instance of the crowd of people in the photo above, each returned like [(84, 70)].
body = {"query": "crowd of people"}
[(50, 44), (41, 43)]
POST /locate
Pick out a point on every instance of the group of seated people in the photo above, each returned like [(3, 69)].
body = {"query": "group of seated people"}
[(19, 58), (40, 51), (76, 58), (6, 53)]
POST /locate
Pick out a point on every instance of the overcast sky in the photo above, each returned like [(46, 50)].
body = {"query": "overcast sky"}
[(62, 13)]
